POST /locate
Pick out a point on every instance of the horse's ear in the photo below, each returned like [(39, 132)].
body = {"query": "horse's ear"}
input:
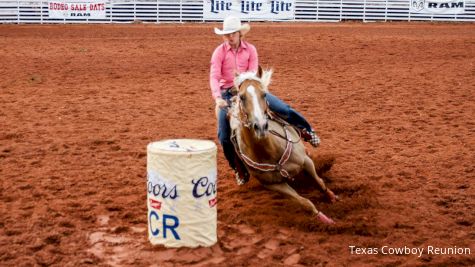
[(266, 78), (259, 71), (236, 82)]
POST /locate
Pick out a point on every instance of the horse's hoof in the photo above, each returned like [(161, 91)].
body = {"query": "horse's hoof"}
[(323, 218), (331, 196)]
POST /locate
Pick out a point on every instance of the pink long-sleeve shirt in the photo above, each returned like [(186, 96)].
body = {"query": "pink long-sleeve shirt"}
[(226, 61)]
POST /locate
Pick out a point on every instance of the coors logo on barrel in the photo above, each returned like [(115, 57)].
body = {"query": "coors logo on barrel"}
[(160, 187)]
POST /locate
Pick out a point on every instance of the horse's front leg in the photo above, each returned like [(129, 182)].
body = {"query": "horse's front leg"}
[(285, 189), (309, 167)]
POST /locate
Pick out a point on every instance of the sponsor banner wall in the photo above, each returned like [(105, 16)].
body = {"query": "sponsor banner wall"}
[(437, 6), (249, 9), (90, 9)]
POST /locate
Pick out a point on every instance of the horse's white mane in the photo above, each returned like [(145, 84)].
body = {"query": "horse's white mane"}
[(246, 76), (250, 75)]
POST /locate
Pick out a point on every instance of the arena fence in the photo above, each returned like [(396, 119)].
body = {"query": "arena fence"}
[(160, 11)]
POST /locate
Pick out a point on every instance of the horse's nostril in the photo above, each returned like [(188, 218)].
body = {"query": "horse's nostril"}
[(255, 126), (266, 126)]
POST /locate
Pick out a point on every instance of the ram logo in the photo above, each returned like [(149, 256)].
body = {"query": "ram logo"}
[(418, 5)]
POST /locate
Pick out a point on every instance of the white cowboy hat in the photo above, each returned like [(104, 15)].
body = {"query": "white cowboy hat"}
[(233, 24)]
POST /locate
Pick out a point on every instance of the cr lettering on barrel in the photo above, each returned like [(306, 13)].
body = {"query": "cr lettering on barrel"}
[(166, 225)]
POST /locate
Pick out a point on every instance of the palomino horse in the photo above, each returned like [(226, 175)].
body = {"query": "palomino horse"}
[(273, 152)]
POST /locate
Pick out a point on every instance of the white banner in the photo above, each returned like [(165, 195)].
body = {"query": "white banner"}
[(249, 9), (437, 6), (78, 9)]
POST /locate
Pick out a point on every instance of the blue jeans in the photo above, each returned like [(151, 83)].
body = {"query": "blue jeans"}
[(275, 104)]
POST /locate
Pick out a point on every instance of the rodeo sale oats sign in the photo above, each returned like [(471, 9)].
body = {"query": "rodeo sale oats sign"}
[(77, 9), (181, 193), (249, 9)]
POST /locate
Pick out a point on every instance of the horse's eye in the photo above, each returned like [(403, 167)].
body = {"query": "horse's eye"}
[(265, 95), (242, 97)]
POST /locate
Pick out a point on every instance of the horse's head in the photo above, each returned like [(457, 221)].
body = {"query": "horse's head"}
[(252, 90)]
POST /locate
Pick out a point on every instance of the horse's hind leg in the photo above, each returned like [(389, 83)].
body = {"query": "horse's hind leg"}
[(309, 167), (285, 189)]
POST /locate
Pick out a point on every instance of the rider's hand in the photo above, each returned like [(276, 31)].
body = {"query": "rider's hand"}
[(221, 103)]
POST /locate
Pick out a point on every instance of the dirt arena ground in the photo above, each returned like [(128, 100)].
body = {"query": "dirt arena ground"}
[(393, 102)]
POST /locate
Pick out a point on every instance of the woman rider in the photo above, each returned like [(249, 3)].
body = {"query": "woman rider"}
[(233, 56)]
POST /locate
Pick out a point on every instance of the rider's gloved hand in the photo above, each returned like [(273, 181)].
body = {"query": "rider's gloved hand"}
[(221, 103)]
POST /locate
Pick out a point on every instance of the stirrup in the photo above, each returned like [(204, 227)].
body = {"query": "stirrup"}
[(311, 137)]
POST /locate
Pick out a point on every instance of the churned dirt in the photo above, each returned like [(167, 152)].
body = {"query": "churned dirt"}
[(394, 103)]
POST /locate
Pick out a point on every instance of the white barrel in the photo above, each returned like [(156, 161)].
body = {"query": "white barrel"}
[(181, 192)]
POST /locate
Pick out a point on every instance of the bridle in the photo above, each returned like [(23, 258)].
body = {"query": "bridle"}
[(246, 122)]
